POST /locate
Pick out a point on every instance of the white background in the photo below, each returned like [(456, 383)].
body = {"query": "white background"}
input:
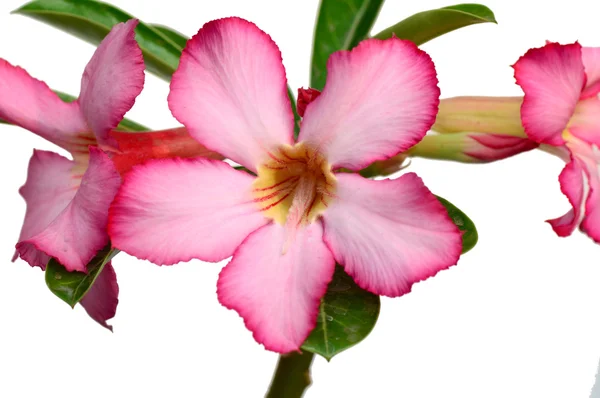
[(518, 317)]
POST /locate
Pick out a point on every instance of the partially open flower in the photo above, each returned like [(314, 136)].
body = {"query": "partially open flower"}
[(561, 108), (287, 225), (68, 200)]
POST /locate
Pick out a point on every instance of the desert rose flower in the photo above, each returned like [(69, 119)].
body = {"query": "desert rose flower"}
[(68, 200), (288, 223), (561, 108)]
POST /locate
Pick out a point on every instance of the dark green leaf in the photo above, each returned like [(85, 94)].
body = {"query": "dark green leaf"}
[(296, 116), (177, 38), (341, 25), (92, 20), (125, 125), (346, 316), (72, 286), (464, 223), (427, 25)]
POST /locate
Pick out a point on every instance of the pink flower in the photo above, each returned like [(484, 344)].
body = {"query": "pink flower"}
[(68, 200), (287, 227), (561, 108)]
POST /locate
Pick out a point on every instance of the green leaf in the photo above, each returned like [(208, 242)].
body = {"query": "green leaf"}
[(92, 20), (464, 223), (296, 116), (72, 286), (341, 25), (346, 316), (179, 39), (427, 25), (125, 125)]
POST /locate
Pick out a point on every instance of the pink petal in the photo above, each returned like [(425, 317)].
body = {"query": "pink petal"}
[(136, 148), (79, 231), (230, 91), (49, 189), (380, 99), (29, 103), (585, 123), (591, 62), (591, 222), (275, 282), (589, 156), (389, 234), (572, 184), (175, 210), (552, 78), (100, 302), (112, 80)]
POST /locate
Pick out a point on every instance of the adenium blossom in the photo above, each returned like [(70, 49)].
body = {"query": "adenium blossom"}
[(287, 225), (68, 200), (561, 108)]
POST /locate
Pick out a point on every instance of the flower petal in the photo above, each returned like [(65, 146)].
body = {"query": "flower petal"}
[(573, 185), (79, 231), (29, 103), (49, 189), (380, 99), (112, 80), (585, 123), (174, 210), (389, 234), (552, 78), (100, 302), (276, 282), (591, 62), (591, 221), (230, 91)]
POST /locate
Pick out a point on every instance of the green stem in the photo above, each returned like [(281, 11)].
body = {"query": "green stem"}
[(292, 376)]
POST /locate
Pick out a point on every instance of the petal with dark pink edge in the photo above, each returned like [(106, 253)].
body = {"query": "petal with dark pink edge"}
[(379, 99), (230, 91), (100, 302), (591, 221), (112, 80), (29, 103), (174, 210), (389, 234), (49, 189), (591, 63), (585, 123), (79, 231), (552, 78), (275, 281), (573, 185)]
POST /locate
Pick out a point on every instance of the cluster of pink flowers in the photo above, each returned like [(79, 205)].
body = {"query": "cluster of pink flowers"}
[(300, 206)]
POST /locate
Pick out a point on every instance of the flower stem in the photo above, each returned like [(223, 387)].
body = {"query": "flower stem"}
[(292, 376)]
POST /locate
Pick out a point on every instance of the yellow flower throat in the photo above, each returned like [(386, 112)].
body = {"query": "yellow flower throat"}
[(295, 184)]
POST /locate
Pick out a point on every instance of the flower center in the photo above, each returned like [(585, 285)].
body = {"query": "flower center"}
[(295, 184)]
